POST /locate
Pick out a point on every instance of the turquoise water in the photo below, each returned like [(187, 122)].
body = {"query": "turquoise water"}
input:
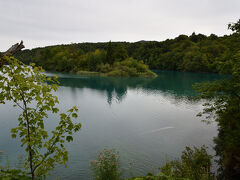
[(146, 120)]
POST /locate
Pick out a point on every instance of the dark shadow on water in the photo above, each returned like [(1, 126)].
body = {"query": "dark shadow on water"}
[(177, 85)]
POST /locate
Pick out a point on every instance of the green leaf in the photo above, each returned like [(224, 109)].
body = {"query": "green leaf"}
[(14, 136), (63, 116), (69, 138), (74, 115)]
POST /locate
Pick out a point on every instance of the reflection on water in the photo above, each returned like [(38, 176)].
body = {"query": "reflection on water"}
[(176, 85), (144, 119)]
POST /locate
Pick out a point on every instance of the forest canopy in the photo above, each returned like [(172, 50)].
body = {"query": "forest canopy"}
[(194, 53)]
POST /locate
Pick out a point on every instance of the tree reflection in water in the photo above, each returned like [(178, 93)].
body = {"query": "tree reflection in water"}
[(173, 85)]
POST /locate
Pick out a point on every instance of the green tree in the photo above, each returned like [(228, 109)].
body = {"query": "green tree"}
[(235, 27), (223, 106), (109, 56), (107, 165), (120, 53), (26, 87), (95, 58), (195, 164), (196, 53)]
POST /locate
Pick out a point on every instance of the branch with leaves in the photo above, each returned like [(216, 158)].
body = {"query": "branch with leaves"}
[(31, 90)]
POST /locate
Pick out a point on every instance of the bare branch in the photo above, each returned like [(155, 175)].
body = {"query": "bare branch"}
[(15, 48), (11, 51)]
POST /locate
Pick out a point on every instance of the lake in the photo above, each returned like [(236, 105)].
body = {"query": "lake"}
[(146, 120)]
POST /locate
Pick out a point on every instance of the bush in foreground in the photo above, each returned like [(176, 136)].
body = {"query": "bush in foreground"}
[(107, 165), (195, 164), (13, 174)]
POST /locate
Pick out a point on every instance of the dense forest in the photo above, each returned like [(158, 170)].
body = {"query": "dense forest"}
[(194, 53)]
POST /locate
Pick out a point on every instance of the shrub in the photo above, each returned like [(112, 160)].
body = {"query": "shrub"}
[(195, 164), (13, 174), (131, 68), (104, 68), (107, 165)]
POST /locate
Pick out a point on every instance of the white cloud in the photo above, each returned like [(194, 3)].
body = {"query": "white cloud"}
[(48, 22)]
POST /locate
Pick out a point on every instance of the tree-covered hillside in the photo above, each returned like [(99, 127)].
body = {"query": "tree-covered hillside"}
[(195, 53)]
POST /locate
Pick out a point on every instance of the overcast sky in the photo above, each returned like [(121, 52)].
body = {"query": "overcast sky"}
[(49, 22)]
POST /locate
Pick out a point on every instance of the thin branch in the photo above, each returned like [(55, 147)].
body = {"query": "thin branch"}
[(18, 104)]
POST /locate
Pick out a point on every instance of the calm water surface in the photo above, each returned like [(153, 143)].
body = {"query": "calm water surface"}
[(146, 120)]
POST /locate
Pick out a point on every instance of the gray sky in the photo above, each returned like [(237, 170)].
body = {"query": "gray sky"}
[(49, 22)]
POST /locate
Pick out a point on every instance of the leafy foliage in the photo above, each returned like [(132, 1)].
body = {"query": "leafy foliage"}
[(224, 108), (113, 62), (26, 87), (109, 56), (131, 68), (195, 53), (235, 27), (195, 164), (107, 165), (13, 174)]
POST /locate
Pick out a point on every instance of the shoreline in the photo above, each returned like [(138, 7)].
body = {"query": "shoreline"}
[(93, 73)]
